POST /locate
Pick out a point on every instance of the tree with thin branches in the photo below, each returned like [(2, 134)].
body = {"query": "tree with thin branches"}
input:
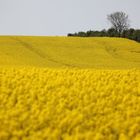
[(119, 21)]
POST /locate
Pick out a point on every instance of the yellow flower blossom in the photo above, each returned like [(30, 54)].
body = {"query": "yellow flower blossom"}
[(69, 104)]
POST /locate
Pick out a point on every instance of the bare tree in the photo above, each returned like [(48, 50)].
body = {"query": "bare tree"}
[(119, 21)]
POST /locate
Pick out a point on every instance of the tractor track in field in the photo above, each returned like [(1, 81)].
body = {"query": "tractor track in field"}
[(39, 53), (113, 52)]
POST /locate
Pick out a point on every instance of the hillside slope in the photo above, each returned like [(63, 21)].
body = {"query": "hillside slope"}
[(69, 52)]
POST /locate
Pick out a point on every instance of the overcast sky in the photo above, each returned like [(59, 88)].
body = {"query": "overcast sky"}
[(59, 17)]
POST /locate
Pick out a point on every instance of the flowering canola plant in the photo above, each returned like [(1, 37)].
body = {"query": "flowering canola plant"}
[(69, 104)]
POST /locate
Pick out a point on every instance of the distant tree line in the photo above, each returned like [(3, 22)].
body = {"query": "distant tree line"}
[(120, 28), (133, 34)]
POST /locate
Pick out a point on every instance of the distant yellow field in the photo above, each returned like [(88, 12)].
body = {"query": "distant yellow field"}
[(59, 88), (60, 52)]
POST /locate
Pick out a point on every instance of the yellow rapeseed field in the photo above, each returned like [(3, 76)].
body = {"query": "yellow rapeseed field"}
[(59, 88), (61, 52), (69, 104)]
